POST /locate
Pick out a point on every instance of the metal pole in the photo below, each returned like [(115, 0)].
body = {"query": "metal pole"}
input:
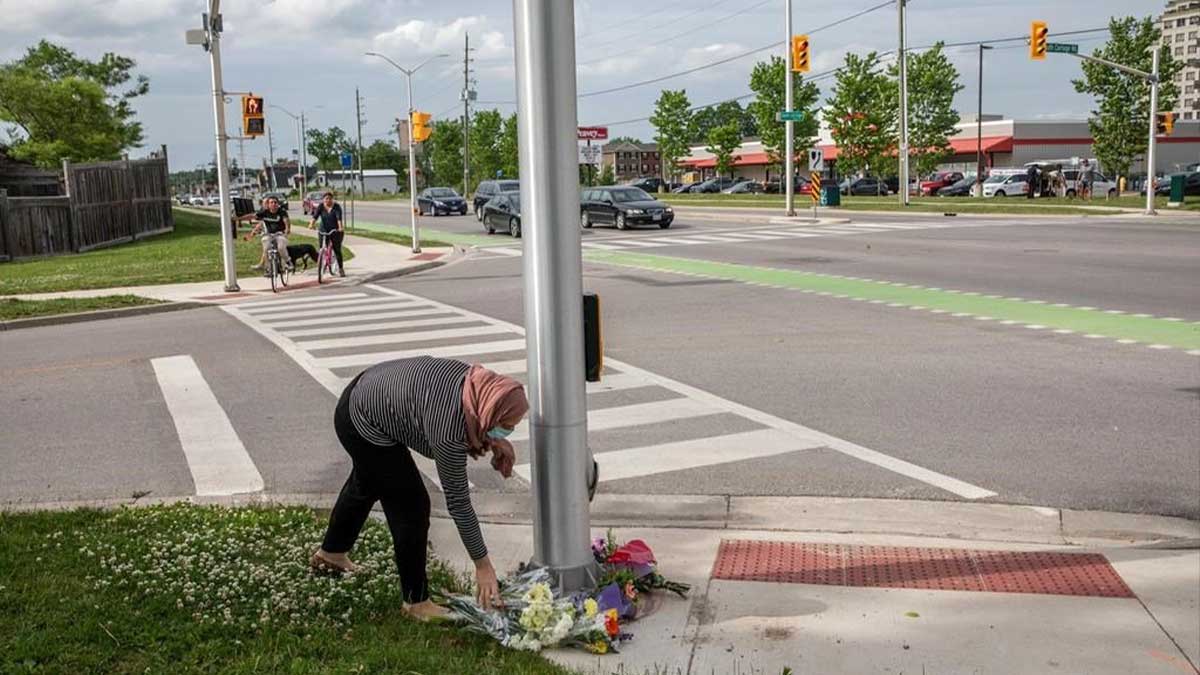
[(362, 180), (218, 87), (979, 130), (544, 33), (789, 143), (466, 114), (1153, 133), (303, 156), (271, 166), (903, 152), (412, 172)]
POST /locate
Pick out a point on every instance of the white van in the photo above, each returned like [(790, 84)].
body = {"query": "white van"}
[(1005, 183)]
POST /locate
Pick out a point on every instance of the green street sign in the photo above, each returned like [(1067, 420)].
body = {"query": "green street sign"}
[(791, 116), (1062, 48)]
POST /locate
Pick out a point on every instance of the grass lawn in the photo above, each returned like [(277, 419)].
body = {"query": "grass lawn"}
[(12, 308), (186, 589), (394, 237), (191, 253)]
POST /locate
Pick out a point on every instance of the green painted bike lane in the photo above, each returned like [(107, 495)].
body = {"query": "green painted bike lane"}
[(1031, 313)]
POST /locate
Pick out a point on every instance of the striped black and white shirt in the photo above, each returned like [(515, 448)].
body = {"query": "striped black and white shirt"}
[(417, 403)]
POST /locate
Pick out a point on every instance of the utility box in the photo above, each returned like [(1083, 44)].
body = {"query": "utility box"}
[(831, 194), (593, 342), (1177, 189)]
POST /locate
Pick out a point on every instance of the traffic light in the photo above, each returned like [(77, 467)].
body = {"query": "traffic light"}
[(1164, 124), (800, 62), (253, 122), (420, 126), (1037, 40)]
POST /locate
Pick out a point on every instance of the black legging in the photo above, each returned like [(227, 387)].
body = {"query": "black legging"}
[(335, 238), (387, 475)]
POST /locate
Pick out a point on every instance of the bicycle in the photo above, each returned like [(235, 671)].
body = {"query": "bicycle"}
[(325, 256), (277, 269)]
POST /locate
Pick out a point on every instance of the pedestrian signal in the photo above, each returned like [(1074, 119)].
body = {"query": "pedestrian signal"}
[(253, 122)]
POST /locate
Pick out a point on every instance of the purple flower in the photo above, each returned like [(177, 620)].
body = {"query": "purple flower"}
[(600, 549), (613, 597)]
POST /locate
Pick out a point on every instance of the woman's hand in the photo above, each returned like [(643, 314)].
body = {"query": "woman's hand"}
[(503, 456), (487, 588)]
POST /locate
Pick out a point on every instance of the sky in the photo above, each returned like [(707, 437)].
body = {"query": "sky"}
[(308, 55)]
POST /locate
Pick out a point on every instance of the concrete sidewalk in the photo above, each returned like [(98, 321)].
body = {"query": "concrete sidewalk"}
[(373, 260)]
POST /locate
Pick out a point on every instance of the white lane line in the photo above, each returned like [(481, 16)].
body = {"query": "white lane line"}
[(787, 233), (715, 239), (310, 299), (604, 247), (805, 434), (272, 311), (397, 338), (751, 236), (893, 227), (511, 252), (383, 325), (680, 455), (632, 242), (215, 455), (634, 415), (377, 304), (355, 320), (371, 358)]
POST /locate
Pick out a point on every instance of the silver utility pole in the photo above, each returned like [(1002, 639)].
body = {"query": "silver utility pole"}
[(1153, 131), (979, 129), (210, 38), (789, 144), (362, 180), (466, 96), (412, 145), (903, 109), (544, 34), (271, 166), (301, 147)]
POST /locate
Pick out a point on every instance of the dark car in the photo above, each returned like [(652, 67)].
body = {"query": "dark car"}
[(283, 204), (716, 184), (1191, 185), (622, 206), (867, 186), (772, 187), (960, 188), (502, 212), (937, 181), (438, 201), (683, 189), (746, 187), (490, 188), (649, 184), (311, 201)]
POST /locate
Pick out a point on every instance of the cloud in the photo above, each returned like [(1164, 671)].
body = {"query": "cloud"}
[(422, 37)]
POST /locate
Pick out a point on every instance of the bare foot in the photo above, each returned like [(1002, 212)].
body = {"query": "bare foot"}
[(333, 562), (427, 611)]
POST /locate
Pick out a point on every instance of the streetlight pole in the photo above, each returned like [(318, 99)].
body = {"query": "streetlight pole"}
[(789, 131), (1153, 131), (547, 119), (903, 109), (979, 129), (210, 38), (301, 146)]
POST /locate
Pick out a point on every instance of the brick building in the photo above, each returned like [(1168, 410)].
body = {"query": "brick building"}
[(631, 160)]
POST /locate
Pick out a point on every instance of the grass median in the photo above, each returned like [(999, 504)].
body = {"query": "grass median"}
[(191, 253), (187, 589), (12, 308)]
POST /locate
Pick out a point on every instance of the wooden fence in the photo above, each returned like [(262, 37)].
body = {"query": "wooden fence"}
[(107, 203)]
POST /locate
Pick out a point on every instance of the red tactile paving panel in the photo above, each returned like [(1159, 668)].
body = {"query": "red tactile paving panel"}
[(1085, 574), (426, 256)]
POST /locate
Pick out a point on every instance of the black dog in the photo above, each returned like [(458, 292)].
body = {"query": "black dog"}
[(302, 253)]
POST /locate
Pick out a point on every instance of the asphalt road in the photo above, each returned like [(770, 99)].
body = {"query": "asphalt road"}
[(1033, 416)]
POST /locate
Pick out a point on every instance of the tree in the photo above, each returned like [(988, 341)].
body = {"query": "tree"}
[(63, 107), (768, 80), (510, 160), (861, 115), (626, 139), (722, 142), (932, 84), (328, 146), (443, 149), (672, 120), (383, 155), (486, 131), (607, 177), (706, 119), (1119, 124)]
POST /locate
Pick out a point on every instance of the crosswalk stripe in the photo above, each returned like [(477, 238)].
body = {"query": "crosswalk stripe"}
[(371, 358), (383, 325), (713, 238), (680, 455), (355, 319), (396, 338), (268, 313), (251, 306), (216, 458), (379, 304), (634, 415), (603, 247), (750, 236), (514, 367), (637, 243), (513, 252), (895, 227), (840, 229)]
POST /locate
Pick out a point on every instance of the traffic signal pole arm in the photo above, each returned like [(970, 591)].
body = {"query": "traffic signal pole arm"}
[(1149, 77)]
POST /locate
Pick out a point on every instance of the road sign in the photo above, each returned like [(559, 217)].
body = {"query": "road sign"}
[(816, 159), (589, 154), (791, 115), (593, 133), (1062, 48), (814, 187), (347, 160)]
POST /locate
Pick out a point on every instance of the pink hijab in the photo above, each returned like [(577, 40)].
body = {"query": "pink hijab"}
[(488, 398)]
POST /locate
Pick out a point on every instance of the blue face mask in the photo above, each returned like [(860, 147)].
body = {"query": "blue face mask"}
[(499, 432)]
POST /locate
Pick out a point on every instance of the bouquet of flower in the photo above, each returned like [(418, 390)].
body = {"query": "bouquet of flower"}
[(626, 570)]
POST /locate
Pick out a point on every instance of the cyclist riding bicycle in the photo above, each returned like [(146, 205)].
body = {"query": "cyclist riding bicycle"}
[(329, 214), (276, 225)]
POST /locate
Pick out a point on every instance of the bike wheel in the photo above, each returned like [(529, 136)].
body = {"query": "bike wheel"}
[(283, 272), (322, 260), (273, 266)]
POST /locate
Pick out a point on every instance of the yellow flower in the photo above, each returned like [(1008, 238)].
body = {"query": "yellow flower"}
[(590, 607), (599, 647)]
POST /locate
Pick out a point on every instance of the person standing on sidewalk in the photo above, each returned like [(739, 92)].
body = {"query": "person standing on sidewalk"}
[(329, 213), (446, 410), (1031, 181), (1085, 180)]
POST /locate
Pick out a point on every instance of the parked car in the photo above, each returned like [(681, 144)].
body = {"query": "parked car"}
[(213, 200), (746, 187), (868, 185), (622, 206), (959, 188), (1005, 184), (649, 184), (436, 201), (502, 212), (939, 180), (283, 203), (1191, 185), (197, 200), (311, 201), (683, 189), (488, 189), (183, 199), (1101, 186), (714, 185), (772, 187)]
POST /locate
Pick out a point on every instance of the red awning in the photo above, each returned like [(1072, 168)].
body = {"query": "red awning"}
[(745, 159), (961, 146)]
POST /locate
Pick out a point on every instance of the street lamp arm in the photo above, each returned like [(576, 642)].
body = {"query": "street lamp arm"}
[(285, 111), (395, 65)]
